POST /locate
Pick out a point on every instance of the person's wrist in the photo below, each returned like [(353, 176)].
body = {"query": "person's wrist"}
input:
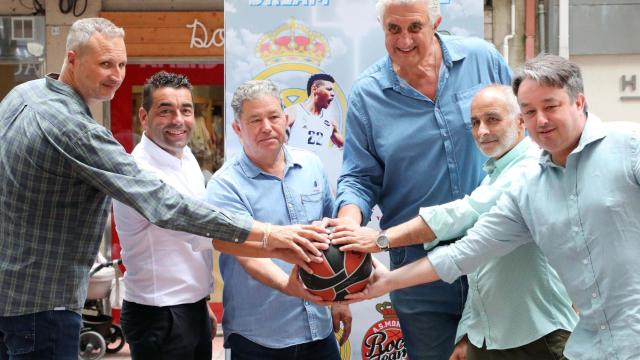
[(382, 241), (265, 235)]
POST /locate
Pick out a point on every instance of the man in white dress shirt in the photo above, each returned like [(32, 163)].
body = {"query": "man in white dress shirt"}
[(169, 273)]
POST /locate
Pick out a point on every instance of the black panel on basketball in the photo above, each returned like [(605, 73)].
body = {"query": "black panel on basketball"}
[(340, 273)]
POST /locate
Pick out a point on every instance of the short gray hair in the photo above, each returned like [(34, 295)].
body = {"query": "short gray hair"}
[(82, 30), (508, 96), (432, 5), (252, 90), (551, 70)]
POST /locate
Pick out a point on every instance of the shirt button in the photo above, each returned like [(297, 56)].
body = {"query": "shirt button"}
[(594, 295), (585, 261), (603, 327), (575, 229), (572, 197)]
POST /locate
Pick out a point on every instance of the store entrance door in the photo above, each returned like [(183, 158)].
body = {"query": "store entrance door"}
[(207, 141)]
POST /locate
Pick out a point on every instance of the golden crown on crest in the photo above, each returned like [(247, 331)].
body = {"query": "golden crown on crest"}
[(386, 309), (292, 42)]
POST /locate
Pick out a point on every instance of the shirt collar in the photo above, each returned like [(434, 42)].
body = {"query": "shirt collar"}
[(450, 53), (159, 155), (251, 170), (62, 88), (493, 165), (594, 130)]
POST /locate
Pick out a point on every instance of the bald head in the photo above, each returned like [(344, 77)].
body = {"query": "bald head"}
[(496, 123)]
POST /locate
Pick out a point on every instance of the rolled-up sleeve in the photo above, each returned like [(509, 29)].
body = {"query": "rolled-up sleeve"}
[(99, 160), (362, 172), (495, 234)]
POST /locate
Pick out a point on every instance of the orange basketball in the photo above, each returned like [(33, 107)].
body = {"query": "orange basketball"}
[(340, 273)]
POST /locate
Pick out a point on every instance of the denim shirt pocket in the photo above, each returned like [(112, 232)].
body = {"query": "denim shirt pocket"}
[(312, 205), (463, 100)]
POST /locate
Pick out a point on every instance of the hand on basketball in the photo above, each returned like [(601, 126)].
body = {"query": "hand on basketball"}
[(378, 284), (294, 287), (355, 238), (304, 240), (290, 256)]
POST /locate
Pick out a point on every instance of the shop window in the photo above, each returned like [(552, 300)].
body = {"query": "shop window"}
[(21, 50), (22, 29)]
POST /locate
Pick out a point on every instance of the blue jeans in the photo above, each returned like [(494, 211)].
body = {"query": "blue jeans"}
[(428, 314), (245, 349), (44, 335)]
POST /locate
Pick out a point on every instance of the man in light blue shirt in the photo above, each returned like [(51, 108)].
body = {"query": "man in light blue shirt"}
[(408, 116), (267, 312), (520, 288), (580, 205)]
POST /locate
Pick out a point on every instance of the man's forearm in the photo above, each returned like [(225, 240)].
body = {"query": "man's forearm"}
[(413, 232), (248, 248), (415, 273), (352, 212)]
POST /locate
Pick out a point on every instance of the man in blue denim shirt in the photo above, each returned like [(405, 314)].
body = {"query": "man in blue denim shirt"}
[(580, 206), (267, 312), (409, 117)]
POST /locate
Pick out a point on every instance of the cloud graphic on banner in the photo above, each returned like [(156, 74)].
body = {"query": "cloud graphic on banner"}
[(338, 49), (229, 8), (460, 31), (463, 18), (241, 45), (343, 15), (460, 9)]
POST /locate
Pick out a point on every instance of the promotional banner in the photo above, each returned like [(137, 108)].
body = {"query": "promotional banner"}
[(314, 50)]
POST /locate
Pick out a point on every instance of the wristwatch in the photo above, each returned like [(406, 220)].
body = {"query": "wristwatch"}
[(383, 241)]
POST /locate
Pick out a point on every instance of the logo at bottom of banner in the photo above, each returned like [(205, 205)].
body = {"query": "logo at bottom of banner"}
[(383, 340)]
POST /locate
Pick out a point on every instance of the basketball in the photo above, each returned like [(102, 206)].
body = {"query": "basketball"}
[(340, 273)]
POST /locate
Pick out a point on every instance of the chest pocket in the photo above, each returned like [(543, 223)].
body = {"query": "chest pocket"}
[(312, 205), (463, 100)]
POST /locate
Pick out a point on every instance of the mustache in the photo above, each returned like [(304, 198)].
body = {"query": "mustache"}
[(488, 138)]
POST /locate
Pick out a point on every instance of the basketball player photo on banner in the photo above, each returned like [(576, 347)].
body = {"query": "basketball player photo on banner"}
[(314, 50)]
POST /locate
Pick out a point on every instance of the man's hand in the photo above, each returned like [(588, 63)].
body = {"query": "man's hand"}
[(355, 238), (304, 240), (291, 257), (378, 285), (294, 287), (460, 351), (341, 314)]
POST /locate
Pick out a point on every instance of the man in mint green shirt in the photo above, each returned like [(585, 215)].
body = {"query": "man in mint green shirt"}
[(517, 308)]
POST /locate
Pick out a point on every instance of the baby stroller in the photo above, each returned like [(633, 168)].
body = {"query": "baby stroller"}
[(99, 335)]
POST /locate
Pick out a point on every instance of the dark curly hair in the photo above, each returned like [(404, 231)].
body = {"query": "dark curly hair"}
[(159, 80)]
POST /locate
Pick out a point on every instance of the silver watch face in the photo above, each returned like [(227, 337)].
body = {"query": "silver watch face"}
[(382, 241)]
